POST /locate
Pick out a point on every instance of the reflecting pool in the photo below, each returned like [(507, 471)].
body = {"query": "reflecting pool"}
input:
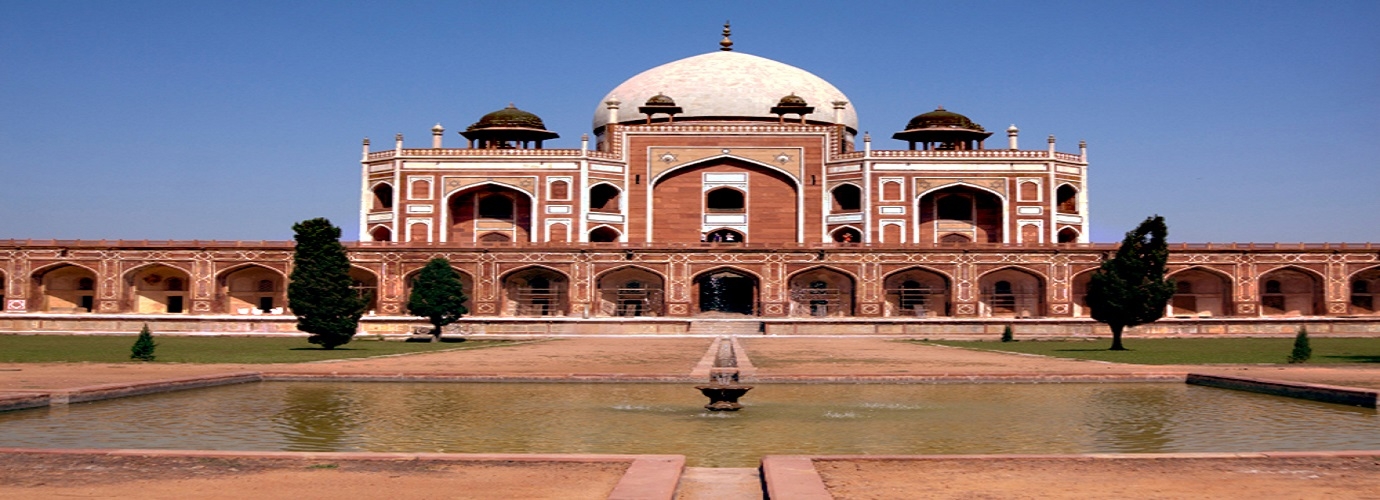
[(670, 418)]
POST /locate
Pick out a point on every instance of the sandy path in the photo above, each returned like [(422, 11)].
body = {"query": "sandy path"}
[(97, 476), (1015, 478)]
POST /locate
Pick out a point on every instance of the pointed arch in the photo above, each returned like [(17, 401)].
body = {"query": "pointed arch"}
[(1291, 290), (1066, 198), (64, 287), (251, 288), (1201, 291), (918, 291), (846, 234), (604, 233), (155, 288), (605, 197), (535, 290), (630, 290), (381, 233), (845, 197), (719, 159), (822, 291), (1363, 291), (460, 212), (409, 279), (1012, 291), (977, 212), (383, 196), (726, 290)]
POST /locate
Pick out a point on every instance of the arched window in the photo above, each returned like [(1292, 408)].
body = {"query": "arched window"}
[(847, 235), (1030, 191), (496, 206), (421, 190), (1068, 235), (955, 207), (559, 190), (381, 233), (383, 197), (1068, 199), (603, 198), (847, 198), (891, 191), (724, 200)]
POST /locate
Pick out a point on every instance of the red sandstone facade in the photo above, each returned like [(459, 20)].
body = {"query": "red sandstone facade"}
[(739, 199)]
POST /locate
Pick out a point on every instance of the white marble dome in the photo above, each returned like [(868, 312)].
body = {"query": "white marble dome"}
[(725, 84)]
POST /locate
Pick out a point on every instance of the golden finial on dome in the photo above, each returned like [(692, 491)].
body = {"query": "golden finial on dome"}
[(726, 44)]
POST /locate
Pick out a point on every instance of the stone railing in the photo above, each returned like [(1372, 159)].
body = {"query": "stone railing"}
[(473, 152)]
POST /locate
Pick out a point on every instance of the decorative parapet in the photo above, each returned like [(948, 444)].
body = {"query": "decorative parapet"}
[(1173, 247), (976, 153)]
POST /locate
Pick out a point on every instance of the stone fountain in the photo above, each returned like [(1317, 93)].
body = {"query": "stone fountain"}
[(723, 389)]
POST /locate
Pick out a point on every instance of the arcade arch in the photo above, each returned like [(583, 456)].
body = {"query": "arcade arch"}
[(847, 198), (846, 234), (603, 234), (821, 292), (1068, 235), (917, 292), (381, 233), (156, 289), (1290, 291), (1066, 199), (65, 288), (630, 291), (1200, 292), (252, 289), (724, 200), (1364, 288), (726, 290), (1011, 292), (366, 285), (383, 196), (536, 291)]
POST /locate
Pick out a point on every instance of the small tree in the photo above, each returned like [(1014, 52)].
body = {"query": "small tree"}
[(1130, 289), (438, 295), (1007, 335), (143, 346), (320, 293), (1302, 351)]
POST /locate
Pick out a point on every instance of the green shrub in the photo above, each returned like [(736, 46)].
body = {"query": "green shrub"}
[(1007, 335), (1302, 351), (143, 346)]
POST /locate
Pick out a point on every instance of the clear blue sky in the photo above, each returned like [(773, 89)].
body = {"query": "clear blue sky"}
[(1236, 120)]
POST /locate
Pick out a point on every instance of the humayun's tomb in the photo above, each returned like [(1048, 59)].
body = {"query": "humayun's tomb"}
[(723, 185)]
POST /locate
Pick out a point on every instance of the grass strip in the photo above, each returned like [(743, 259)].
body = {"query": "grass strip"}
[(1189, 351), (252, 350)]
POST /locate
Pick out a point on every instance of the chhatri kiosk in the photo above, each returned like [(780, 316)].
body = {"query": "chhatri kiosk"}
[(721, 185)]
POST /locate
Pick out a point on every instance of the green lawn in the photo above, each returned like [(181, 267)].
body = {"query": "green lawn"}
[(103, 349), (1192, 351)]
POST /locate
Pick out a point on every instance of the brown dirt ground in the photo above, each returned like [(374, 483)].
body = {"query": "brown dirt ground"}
[(101, 476), (1140, 478), (1344, 478)]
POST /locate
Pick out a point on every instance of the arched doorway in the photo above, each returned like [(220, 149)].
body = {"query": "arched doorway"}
[(156, 289), (821, 292), (1011, 292), (1365, 292), (725, 236), (1068, 235), (535, 291), (972, 213), (490, 213), (847, 235), (727, 291), (381, 233), (253, 290), (603, 234), (631, 291), (604, 198), (1201, 293), (917, 293), (1290, 292), (66, 288), (366, 286)]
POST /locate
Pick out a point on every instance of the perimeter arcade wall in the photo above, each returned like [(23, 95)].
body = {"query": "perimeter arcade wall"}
[(239, 286)]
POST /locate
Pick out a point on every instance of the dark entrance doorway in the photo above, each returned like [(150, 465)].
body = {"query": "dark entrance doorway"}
[(727, 291)]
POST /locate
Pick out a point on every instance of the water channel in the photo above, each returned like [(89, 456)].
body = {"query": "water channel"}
[(670, 418)]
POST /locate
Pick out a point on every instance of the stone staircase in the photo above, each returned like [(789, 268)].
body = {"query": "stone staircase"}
[(723, 327)]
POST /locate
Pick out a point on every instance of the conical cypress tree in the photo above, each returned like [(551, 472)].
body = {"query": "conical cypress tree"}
[(1007, 335), (1302, 351), (1130, 289), (320, 293), (438, 295), (143, 346)]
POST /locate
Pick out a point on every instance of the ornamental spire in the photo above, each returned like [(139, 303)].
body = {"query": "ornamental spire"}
[(726, 44)]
